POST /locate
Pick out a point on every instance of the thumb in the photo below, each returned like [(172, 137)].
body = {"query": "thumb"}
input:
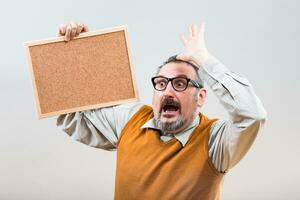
[(183, 57)]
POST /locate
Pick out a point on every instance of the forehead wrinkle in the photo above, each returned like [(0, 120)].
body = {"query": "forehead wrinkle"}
[(173, 69), (177, 76)]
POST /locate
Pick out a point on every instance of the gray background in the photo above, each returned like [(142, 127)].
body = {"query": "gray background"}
[(258, 39)]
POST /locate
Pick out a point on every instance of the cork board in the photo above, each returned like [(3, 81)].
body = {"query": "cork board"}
[(91, 71)]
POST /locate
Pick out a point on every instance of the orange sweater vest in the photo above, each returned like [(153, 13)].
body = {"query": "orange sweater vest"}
[(150, 169)]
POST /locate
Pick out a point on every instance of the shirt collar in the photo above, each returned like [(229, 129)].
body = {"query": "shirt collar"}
[(182, 136)]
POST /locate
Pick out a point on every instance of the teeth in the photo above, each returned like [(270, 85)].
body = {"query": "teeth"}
[(170, 108)]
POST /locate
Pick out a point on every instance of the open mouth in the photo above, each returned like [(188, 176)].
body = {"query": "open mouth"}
[(170, 108)]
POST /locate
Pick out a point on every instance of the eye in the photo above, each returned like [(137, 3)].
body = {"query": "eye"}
[(160, 83), (180, 83)]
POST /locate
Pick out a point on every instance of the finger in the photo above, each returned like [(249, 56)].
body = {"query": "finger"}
[(194, 30), (73, 30), (79, 28), (190, 31), (183, 39), (61, 30), (68, 32), (182, 56), (85, 28), (202, 30)]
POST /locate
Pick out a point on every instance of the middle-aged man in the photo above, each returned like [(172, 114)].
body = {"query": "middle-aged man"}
[(171, 150)]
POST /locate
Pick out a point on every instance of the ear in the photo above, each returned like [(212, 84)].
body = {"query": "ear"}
[(201, 97)]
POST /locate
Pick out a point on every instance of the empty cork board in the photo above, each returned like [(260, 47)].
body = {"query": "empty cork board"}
[(91, 71)]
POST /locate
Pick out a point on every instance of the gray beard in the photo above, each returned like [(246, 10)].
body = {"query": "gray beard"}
[(168, 126)]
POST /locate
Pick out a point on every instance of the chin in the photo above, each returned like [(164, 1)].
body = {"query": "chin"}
[(168, 120), (169, 124)]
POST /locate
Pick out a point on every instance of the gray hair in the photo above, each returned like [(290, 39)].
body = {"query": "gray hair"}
[(175, 60)]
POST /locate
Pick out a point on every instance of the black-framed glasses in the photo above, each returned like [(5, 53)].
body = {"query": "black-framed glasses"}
[(179, 83)]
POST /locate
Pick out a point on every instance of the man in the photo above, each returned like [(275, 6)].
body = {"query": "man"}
[(171, 150)]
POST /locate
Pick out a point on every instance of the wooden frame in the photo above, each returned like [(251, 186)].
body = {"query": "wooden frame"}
[(110, 38)]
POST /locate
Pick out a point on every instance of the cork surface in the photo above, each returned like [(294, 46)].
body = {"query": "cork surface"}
[(83, 73)]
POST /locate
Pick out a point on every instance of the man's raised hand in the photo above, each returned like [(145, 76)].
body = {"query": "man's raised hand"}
[(195, 50)]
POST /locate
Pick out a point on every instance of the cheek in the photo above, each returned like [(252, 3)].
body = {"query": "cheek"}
[(189, 107), (156, 101)]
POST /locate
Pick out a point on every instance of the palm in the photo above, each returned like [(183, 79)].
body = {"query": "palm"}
[(194, 45)]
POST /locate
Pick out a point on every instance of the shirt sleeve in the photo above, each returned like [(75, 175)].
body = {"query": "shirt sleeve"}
[(98, 128), (231, 139)]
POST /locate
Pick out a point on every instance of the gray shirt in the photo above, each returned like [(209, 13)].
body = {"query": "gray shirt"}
[(229, 139)]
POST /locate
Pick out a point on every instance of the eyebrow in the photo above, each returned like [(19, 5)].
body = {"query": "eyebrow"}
[(182, 75)]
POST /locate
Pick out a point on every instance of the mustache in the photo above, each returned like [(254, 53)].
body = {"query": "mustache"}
[(169, 102)]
